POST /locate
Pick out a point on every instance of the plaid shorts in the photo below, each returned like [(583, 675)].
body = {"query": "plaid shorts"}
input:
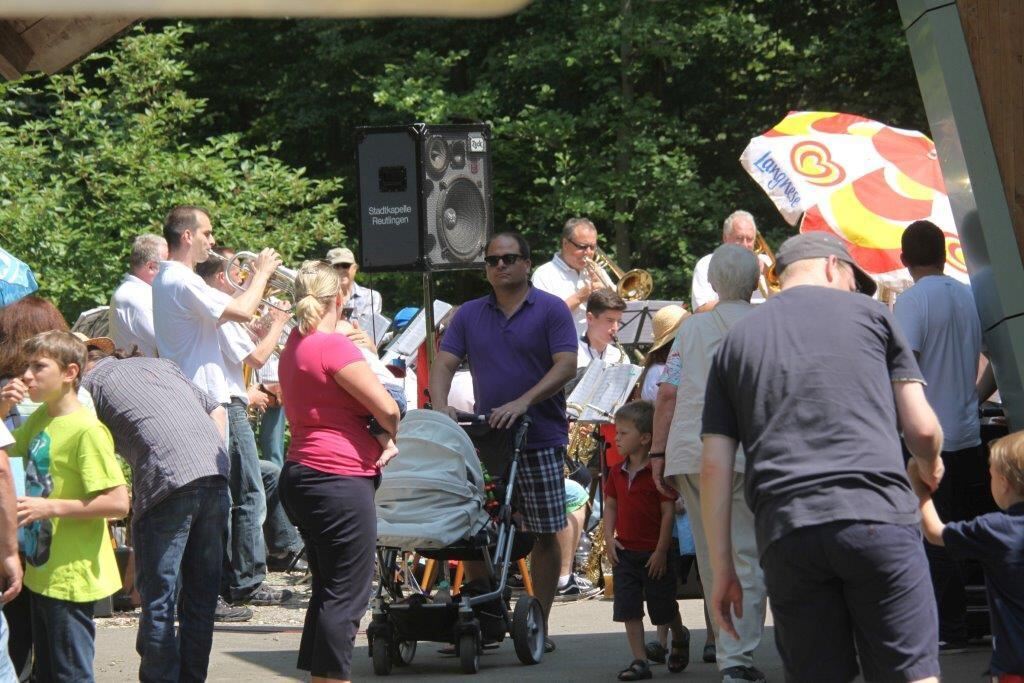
[(539, 495)]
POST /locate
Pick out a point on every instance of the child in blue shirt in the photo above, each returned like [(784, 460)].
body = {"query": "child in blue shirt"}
[(997, 541)]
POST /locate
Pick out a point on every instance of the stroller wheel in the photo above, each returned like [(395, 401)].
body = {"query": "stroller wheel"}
[(469, 653), (403, 652), (382, 657), (528, 630)]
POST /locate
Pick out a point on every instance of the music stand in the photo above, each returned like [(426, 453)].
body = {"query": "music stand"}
[(637, 326)]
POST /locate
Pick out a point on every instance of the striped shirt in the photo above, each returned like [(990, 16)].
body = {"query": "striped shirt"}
[(160, 423)]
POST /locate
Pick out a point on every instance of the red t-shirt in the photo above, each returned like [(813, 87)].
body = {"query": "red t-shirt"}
[(329, 426), (638, 516)]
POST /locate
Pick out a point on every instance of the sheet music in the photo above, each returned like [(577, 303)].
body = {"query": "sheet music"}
[(603, 389), (379, 327), (408, 343)]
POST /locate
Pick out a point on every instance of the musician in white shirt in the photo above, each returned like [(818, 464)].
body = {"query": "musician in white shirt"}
[(131, 307), (567, 275), (739, 228), (604, 314)]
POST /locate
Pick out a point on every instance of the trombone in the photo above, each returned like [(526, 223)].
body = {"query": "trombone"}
[(281, 282), (769, 282), (634, 285)]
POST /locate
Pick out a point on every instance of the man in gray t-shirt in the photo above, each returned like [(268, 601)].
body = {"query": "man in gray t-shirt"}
[(940, 321), (811, 384)]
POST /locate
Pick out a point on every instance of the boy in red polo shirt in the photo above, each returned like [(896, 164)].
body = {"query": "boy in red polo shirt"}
[(638, 525)]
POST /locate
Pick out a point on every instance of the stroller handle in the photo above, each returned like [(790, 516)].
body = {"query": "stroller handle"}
[(522, 425)]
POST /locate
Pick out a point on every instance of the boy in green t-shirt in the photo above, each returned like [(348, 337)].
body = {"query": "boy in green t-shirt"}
[(74, 484)]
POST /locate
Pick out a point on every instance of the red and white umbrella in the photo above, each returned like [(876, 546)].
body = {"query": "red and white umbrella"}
[(858, 179)]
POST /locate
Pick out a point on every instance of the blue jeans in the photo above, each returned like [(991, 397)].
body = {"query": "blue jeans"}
[(272, 436), (7, 672), (64, 639), (179, 554), (282, 536), (246, 556)]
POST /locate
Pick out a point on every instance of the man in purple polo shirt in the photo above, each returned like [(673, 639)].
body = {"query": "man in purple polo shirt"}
[(522, 347)]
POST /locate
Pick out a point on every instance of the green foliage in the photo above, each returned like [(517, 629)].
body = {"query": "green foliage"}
[(97, 155), (634, 113)]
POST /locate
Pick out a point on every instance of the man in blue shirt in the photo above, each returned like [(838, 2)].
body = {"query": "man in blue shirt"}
[(940, 322), (521, 345)]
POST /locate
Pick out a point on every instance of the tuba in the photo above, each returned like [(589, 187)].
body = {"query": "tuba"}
[(633, 285), (281, 282), (768, 283)]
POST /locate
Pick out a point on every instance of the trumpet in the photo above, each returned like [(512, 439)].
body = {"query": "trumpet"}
[(281, 282), (769, 284), (634, 285)]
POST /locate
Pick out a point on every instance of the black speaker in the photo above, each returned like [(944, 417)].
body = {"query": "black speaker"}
[(424, 197)]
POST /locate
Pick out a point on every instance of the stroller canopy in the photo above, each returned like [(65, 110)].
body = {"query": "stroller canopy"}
[(432, 494)]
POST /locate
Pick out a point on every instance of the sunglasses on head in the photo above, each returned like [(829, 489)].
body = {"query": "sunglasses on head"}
[(507, 259)]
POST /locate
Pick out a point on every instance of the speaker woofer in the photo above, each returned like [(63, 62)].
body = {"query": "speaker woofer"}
[(437, 156), (461, 217)]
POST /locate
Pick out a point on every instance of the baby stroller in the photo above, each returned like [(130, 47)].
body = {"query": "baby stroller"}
[(432, 501)]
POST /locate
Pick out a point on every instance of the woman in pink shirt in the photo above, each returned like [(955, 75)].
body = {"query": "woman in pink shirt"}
[(332, 468)]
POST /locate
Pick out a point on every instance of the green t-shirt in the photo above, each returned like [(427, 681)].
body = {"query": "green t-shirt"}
[(68, 457)]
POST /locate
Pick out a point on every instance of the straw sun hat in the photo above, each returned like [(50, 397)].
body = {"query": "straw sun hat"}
[(104, 344), (665, 323)]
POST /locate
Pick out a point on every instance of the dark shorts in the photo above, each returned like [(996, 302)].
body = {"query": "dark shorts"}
[(845, 588), (540, 490), (633, 586)]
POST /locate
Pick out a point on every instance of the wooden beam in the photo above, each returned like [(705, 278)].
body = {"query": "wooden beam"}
[(992, 29), (264, 8), (21, 24), (56, 42), (15, 54)]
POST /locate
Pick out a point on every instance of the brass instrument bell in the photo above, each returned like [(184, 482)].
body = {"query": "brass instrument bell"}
[(281, 282), (769, 283), (633, 285)]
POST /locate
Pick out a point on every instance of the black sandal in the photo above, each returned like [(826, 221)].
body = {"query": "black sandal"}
[(679, 658), (656, 652), (636, 671)]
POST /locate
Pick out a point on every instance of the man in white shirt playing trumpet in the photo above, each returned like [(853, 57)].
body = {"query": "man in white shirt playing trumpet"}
[(572, 275)]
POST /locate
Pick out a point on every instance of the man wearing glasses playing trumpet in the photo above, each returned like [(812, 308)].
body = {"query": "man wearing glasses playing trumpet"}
[(572, 275)]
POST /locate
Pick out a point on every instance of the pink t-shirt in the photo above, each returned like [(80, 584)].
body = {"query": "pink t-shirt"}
[(329, 430)]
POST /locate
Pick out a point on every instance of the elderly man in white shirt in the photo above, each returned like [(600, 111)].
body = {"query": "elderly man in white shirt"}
[(131, 307), (567, 275), (363, 301), (738, 228), (678, 418)]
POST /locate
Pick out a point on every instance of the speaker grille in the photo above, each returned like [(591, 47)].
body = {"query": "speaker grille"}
[(456, 193), (461, 213)]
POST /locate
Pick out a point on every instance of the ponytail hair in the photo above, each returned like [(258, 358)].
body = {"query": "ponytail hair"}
[(316, 284)]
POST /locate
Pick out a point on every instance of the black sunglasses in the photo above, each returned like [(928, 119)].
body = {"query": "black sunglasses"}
[(343, 266), (507, 259)]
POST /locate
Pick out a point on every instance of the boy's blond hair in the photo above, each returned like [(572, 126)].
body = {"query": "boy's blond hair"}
[(1006, 455), (640, 413), (63, 348)]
